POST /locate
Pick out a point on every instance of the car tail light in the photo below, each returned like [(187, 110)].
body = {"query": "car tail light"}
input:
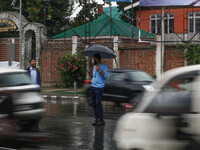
[(86, 82)]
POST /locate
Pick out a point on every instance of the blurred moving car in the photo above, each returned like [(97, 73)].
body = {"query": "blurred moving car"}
[(167, 118), (122, 85), (26, 97)]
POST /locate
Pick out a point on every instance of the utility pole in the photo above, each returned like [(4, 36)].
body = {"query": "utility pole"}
[(163, 39), (20, 34)]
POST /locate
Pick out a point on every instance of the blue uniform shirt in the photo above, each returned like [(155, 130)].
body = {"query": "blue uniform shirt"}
[(97, 80)]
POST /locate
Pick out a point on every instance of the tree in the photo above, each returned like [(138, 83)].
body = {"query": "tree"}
[(87, 14), (5, 5), (191, 52), (55, 14)]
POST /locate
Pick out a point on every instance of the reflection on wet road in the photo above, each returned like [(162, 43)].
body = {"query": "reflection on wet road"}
[(69, 122)]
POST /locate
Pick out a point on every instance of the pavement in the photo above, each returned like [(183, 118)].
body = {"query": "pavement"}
[(62, 93)]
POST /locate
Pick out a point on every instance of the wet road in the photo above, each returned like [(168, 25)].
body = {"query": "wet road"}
[(69, 124)]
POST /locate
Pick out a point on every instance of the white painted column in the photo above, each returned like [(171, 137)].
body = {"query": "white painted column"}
[(23, 61), (163, 39), (87, 66), (38, 47), (185, 50), (74, 44), (158, 58), (115, 48)]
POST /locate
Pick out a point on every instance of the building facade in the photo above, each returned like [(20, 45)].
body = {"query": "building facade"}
[(181, 23)]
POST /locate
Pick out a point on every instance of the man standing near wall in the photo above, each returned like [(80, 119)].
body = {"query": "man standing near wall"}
[(99, 75), (34, 73)]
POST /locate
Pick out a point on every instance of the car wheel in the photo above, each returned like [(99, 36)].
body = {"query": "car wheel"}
[(29, 125)]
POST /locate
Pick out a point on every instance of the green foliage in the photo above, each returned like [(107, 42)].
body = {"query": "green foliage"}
[(87, 14), (55, 14), (5, 5), (191, 52), (72, 68)]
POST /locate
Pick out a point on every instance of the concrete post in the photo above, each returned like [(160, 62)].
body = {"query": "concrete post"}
[(74, 44), (38, 48), (23, 61), (115, 48), (163, 38), (185, 50), (158, 58), (87, 66)]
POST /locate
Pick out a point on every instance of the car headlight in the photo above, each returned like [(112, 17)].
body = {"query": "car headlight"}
[(148, 88)]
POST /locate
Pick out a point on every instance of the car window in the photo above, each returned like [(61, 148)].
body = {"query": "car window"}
[(175, 96), (184, 84), (116, 76), (139, 76), (16, 79)]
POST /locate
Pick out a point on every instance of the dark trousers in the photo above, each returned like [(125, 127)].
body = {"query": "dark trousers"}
[(96, 95)]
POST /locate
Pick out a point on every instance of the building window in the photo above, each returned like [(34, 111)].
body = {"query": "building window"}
[(155, 23), (194, 22)]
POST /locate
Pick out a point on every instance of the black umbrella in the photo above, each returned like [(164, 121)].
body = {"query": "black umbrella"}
[(105, 52)]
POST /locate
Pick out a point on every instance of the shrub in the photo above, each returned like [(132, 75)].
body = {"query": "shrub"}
[(191, 52), (72, 68)]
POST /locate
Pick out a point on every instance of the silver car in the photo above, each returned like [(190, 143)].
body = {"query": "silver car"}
[(168, 116), (27, 100)]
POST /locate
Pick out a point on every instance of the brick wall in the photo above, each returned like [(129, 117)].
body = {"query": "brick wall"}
[(140, 56), (3, 48), (131, 55), (138, 59), (51, 51), (17, 49), (173, 58)]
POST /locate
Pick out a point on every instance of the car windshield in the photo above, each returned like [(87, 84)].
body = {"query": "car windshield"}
[(139, 76), (17, 79)]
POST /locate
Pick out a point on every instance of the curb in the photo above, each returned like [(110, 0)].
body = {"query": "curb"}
[(63, 97)]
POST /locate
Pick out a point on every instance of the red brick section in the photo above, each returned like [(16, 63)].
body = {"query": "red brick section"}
[(180, 24), (173, 59), (17, 49), (3, 49), (138, 56), (138, 59), (3, 44), (50, 54)]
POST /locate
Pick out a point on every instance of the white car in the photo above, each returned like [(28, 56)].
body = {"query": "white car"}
[(26, 97), (167, 118)]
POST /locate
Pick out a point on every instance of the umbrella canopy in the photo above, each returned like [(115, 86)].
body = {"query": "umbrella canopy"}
[(105, 52)]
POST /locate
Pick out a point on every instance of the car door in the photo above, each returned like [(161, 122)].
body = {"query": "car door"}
[(172, 106), (165, 119), (116, 86)]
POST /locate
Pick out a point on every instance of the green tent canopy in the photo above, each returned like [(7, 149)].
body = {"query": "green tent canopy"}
[(105, 27)]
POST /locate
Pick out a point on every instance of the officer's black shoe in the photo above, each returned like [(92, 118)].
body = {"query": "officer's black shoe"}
[(100, 123), (95, 122)]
